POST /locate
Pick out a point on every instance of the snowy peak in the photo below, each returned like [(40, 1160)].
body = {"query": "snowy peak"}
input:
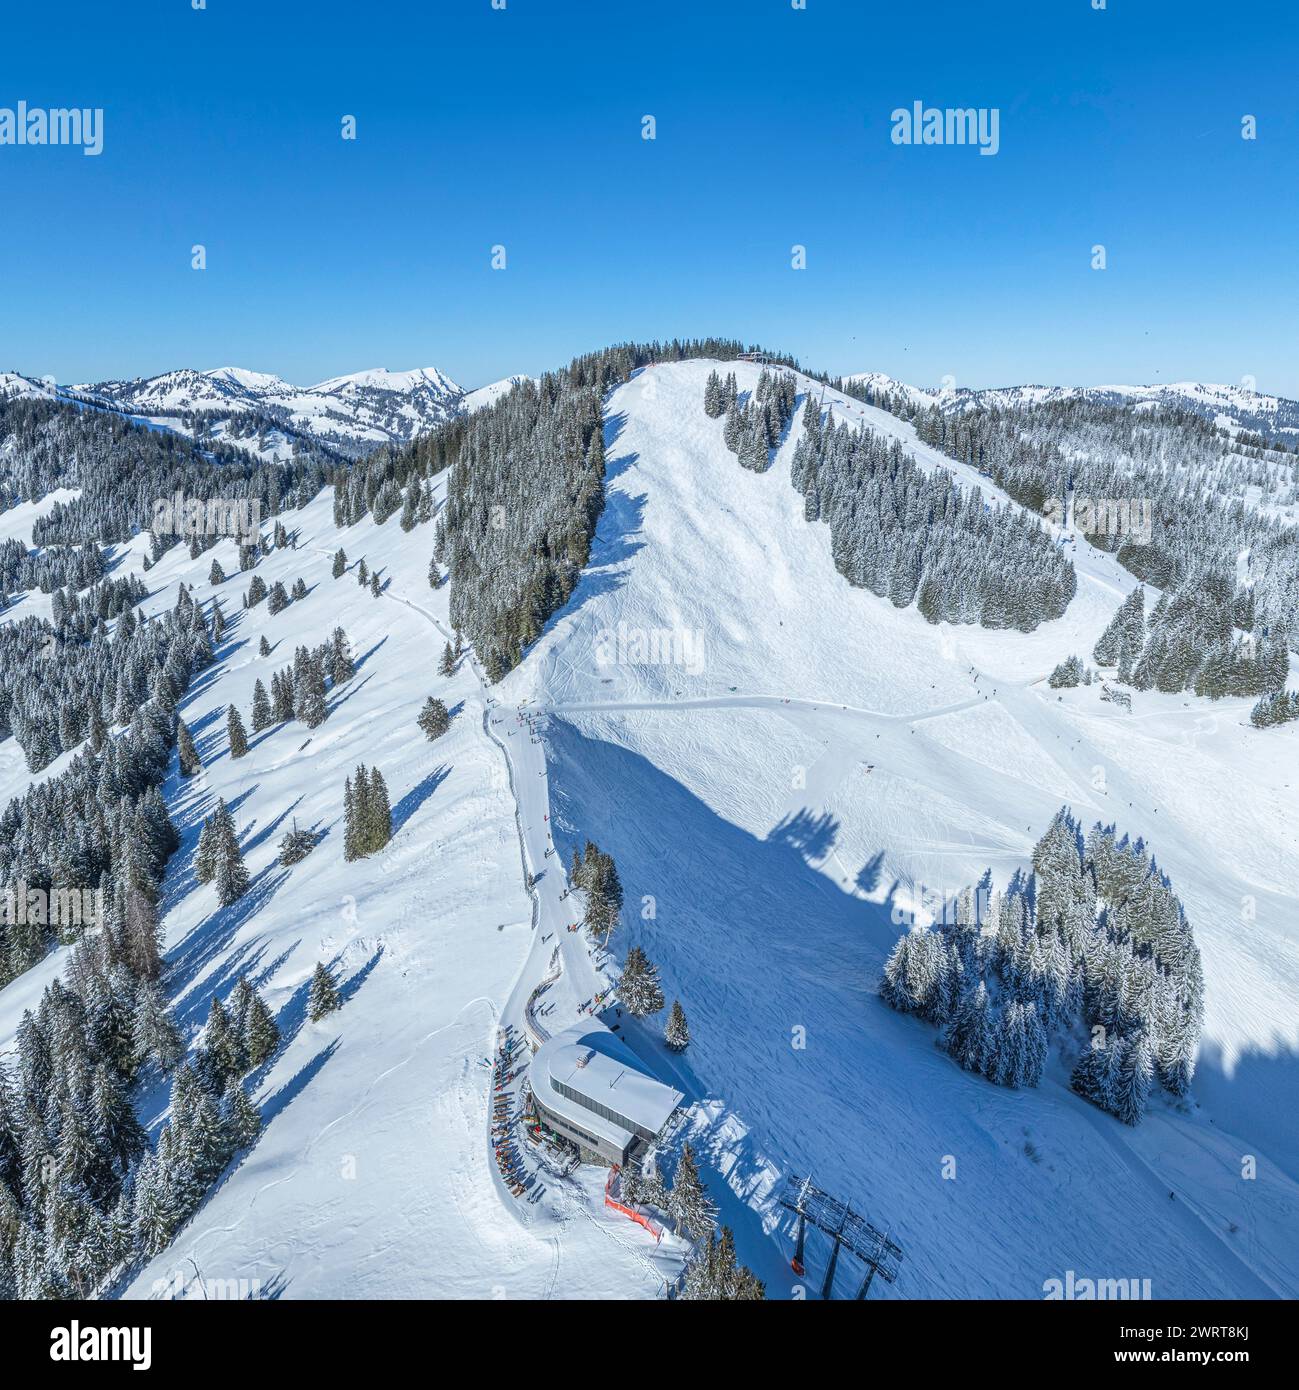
[(880, 385), (492, 392), (381, 379), (243, 380), (186, 390), (15, 386), (1234, 407), (353, 414), (1240, 406)]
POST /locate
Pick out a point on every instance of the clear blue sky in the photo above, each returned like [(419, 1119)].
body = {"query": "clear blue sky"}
[(523, 127)]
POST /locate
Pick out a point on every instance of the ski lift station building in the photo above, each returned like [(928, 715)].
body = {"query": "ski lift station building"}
[(592, 1089)]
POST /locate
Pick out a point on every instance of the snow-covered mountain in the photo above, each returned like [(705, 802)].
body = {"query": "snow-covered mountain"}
[(880, 384), (353, 414), (1240, 407), (15, 386), (491, 393), (266, 416), (815, 760)]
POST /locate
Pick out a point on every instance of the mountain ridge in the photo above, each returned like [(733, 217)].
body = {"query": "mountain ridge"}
[(352, 414), (1240, 406)]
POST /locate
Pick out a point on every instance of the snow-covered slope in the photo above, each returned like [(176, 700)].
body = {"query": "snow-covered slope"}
[(15, 386), (1239, 407), (806, 761), (774, 831), (353, 413), (881, 384), (491, 393), (373, 1176)]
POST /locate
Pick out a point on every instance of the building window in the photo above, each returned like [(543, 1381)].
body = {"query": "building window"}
[(570, 1130)]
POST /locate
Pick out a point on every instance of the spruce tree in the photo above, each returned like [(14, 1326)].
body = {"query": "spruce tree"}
[(223, 1054), (351, 821), (296, 845), (677, 1034), (261, 1034), (1132, 1088), (230, 873), (187, 754), (141, 935), (261, 715), (409, 505), (378, 812), (152, 1220), (688, 1205), (282, 696), (238, 736), (340, 563), (448, 666), (309, 694), (638, 987), (205, 853), (154, 1035), (323, 997), (240, 1118), (341, 667), (433, 719)]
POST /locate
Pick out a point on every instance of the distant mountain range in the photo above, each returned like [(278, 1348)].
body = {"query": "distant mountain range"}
[(355, 414), (266, 415), (1233, 406)]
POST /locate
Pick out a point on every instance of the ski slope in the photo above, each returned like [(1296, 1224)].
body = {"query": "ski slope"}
[(831, 758), (372, 1177), (773, 804)]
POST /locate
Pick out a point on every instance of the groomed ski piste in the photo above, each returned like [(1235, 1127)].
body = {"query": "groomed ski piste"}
[(771, 808)]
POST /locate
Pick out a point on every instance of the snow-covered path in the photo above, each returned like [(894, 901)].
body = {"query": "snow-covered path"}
[(570, 985)]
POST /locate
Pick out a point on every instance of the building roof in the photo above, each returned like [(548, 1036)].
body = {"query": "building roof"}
[(595, 1063)]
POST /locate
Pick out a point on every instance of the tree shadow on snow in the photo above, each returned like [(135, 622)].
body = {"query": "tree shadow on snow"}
[(268, 830), (297, 1083), (350, 986), (212, 938), (366, 655), (351, 688), (775, 964), (809, 835), (417, 796)]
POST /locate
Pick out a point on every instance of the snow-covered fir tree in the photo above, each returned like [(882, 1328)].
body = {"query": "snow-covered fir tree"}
[(595, 873), (638, 985), (323, 997), (676, 1033), (236, 733), (187, 754), (689, 1207), (367, 815), (1093, 943), (433, 719)]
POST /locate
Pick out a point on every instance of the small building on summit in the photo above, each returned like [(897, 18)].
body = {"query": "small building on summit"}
[(591, 1089)]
